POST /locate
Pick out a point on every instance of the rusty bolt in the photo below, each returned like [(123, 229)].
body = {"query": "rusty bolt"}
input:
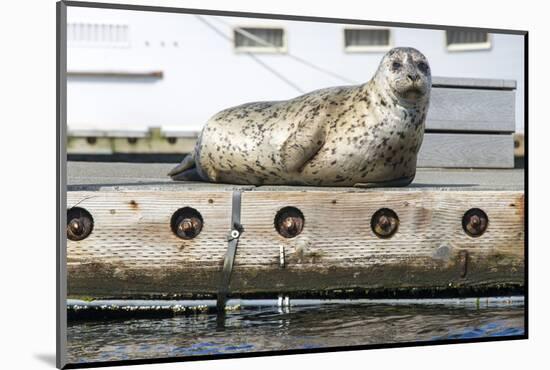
[(474, 222), (76, 227), (188, 228), (384, 223), (289, 222), (79, 224), (186, 223)]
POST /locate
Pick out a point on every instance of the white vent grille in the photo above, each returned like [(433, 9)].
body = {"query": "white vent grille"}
[(257, 39), (467, 40), (358, 39), (88, 34)]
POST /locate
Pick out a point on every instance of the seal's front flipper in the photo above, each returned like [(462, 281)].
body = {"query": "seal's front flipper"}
[(187, 163), (301, 146)]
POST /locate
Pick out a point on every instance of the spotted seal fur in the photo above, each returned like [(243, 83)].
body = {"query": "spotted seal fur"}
[(339, 136)]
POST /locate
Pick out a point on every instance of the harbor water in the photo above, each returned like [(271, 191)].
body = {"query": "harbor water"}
[(274, 328)]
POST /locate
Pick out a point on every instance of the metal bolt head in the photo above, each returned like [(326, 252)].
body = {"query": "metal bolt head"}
[(79, 224), (189, 227), (289, 222), (76, 226), (475, 222), (186, 223), (384, 223)]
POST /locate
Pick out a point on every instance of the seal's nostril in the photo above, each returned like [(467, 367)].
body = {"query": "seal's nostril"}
[(413, 77)]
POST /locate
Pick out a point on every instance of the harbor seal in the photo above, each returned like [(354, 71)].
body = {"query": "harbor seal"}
[(339, 136)]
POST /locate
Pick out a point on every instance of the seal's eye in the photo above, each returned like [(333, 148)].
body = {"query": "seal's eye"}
[(396, 65), (423, 67)]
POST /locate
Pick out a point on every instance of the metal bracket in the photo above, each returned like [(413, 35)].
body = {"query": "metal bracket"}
[(282, 256), (235, 232), (232, 242), (283, 304)]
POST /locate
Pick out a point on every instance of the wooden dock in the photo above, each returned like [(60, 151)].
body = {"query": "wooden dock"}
[(452, 232)]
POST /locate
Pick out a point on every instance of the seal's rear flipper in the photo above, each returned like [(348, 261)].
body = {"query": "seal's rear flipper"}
[(186, 170), (188, 175)]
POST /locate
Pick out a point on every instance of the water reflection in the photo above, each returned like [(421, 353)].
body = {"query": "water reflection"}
[(295, 328)]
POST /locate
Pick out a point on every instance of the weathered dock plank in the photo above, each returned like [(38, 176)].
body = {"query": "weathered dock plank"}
[(463, 109), (151, 140), (132, 251), (467, 151), (153, 176), (481, 83)]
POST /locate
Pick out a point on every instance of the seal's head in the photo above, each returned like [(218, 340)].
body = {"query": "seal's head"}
[(406, 72)]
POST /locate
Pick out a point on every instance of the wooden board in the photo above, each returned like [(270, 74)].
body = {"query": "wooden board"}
[(467, 151), (479, 83), (140, 141), (100, 145), (133, 253), (155, 145), (453, 109), (99, 176)]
